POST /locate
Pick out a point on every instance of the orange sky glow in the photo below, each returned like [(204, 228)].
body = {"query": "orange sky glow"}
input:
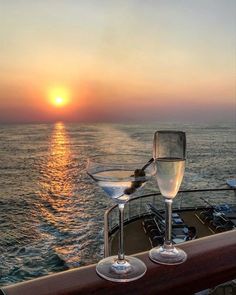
[(117, 61)]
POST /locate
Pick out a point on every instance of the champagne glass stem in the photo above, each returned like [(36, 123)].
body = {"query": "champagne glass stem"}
[(121, 255), (168, 221)]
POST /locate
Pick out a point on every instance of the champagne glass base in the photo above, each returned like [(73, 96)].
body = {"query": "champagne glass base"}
[(171, 256), (112, 269)]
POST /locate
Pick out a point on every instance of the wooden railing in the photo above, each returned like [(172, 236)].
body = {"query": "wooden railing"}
[(211, 261)]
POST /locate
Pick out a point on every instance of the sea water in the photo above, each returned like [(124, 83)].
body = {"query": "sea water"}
[(51, 212)]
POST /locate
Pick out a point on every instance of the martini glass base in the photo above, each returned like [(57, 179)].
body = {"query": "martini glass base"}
[(112, 269), (167, 256)]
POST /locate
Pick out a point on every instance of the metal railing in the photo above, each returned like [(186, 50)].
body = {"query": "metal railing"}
[(136, 207)]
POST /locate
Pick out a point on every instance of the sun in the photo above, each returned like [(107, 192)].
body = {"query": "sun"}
[(59, 101), (59, 96)]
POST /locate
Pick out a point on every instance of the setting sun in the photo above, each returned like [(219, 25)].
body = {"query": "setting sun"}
[(59, 96), (59, 101)]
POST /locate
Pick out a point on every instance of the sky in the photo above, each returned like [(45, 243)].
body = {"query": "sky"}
[(117, 61)]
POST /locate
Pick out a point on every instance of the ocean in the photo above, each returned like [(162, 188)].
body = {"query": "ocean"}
[(51, 212)]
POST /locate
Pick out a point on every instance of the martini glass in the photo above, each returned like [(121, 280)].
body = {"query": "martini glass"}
[(120, 176), (169, 151)]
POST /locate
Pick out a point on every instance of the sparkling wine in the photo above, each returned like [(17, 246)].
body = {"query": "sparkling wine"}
[(170, 172), (120, 184)]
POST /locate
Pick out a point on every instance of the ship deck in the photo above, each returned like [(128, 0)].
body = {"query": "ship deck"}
[(136, 240)]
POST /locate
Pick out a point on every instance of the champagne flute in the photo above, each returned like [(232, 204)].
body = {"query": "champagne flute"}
[(169, 149), (120, 178)]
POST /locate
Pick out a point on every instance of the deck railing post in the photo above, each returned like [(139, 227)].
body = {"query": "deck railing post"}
[(106, 234), (129, 209), (140, 205)]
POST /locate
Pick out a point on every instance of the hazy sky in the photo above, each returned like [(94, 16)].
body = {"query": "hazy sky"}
[(118, 60)]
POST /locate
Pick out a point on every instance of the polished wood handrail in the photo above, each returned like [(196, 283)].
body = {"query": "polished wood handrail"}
[(211, 261)]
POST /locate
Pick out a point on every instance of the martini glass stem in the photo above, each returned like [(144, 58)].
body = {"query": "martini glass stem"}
[(121, 255), (168, 222)]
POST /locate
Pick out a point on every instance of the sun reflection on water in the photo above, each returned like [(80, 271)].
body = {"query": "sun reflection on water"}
[(57, 185), (59, 161), (56, 182)]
